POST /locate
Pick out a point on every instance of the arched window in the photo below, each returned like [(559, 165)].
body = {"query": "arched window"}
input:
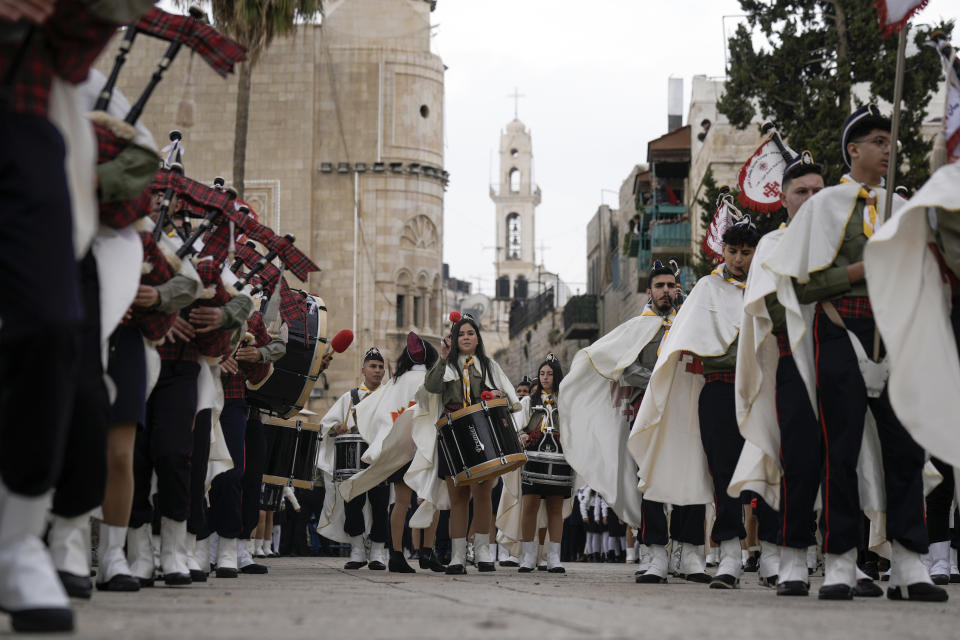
[(514, 236), (514, 180)]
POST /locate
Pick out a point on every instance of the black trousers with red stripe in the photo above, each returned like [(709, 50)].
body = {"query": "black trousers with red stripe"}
[(800, 455), (843, 405), (686, 523), (722, 443)]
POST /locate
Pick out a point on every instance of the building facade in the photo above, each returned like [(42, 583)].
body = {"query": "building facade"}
[(345, 151)]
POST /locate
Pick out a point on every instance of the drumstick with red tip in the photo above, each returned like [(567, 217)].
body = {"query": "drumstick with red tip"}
[(341, 342)]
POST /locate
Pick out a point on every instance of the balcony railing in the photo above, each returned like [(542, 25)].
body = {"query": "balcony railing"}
[(526, 312), (675, 234), (580, 318)]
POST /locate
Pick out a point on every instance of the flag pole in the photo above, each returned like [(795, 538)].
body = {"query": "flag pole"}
[(895, 119)]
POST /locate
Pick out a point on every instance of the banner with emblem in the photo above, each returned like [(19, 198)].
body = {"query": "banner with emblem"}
[(894, 14), (760, 177), (713, 239), (951, 114)]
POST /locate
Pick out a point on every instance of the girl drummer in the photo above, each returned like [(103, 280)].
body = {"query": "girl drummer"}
[(542, 402), (463, 356)]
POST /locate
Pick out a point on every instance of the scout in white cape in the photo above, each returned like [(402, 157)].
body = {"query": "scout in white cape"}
[(460, 376), (687, 420), (366, 513), (385, 420), (821, 251), (911, 263), (776, 393), (598, 399), (537, 500)]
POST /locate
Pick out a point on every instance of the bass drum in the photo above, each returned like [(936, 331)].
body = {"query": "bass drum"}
[(287, 390)]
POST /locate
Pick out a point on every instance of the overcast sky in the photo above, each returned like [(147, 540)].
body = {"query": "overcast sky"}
[(595, 79)]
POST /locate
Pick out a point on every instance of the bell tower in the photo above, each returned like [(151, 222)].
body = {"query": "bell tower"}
[(516, 198)]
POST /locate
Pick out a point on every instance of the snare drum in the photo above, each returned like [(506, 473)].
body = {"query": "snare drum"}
[(287, 390), (350, 448), (546, 466), (480, 442), (292, 447)]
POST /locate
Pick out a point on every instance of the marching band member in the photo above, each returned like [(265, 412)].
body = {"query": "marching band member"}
[(822, 251), (915, 303), (385, 421), (341, 419), (775, 386), (543, 397), (250, 364), (457, 380), (606, 382), (670, 427), (42, 164)]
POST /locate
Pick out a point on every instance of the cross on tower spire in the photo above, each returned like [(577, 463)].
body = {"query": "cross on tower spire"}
[(516, 95)]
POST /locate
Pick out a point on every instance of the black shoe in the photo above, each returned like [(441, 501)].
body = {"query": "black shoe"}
[(867, 589), (793, 588), (376, 565), (226, 572), (509, 563), (76, 586), (835, 592), (650, 578), (769, 581), (954, 578), (145, 583), (885, 577), (456, 570), (724, 581), (177, 579), (752, 565), (354, 565), (42, 620), (398, 564), (557, 570), (254, 569), (940, 578), (541, 567), (523, 569), (871, 569), (702, 578), (120, 582), (611, 556), (919, 591), (639, 572), (429, 560), (484, 567), (198, 575)]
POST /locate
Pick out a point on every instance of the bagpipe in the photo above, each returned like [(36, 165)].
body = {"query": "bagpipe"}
[(115, 134)]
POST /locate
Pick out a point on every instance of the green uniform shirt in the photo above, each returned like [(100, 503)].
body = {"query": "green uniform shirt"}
[(833, 282), (451, 392)]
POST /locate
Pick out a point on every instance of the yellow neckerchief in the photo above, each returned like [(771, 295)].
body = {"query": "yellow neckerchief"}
[(666, 320), (465, 379), (722, 272), (871, 218)]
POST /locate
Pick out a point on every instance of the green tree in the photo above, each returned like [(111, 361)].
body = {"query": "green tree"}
[(707, 203), (803, 76), (254, 24)]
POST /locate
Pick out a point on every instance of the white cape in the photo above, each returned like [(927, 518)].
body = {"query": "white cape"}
[(594, 411), (665, 439), (912, 305), (385, 421), (758, 357)]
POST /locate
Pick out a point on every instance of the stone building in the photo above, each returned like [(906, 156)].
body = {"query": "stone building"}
[(345, 151)]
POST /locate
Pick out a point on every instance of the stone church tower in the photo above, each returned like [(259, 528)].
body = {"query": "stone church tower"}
[(345, 151), (516, 200)]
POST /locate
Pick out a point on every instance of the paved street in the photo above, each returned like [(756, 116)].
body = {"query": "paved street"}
[(316, 598)]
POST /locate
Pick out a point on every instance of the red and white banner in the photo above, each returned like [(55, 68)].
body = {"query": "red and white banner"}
[(894, 14), (951, 120), (760, 179), (713, 240)]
